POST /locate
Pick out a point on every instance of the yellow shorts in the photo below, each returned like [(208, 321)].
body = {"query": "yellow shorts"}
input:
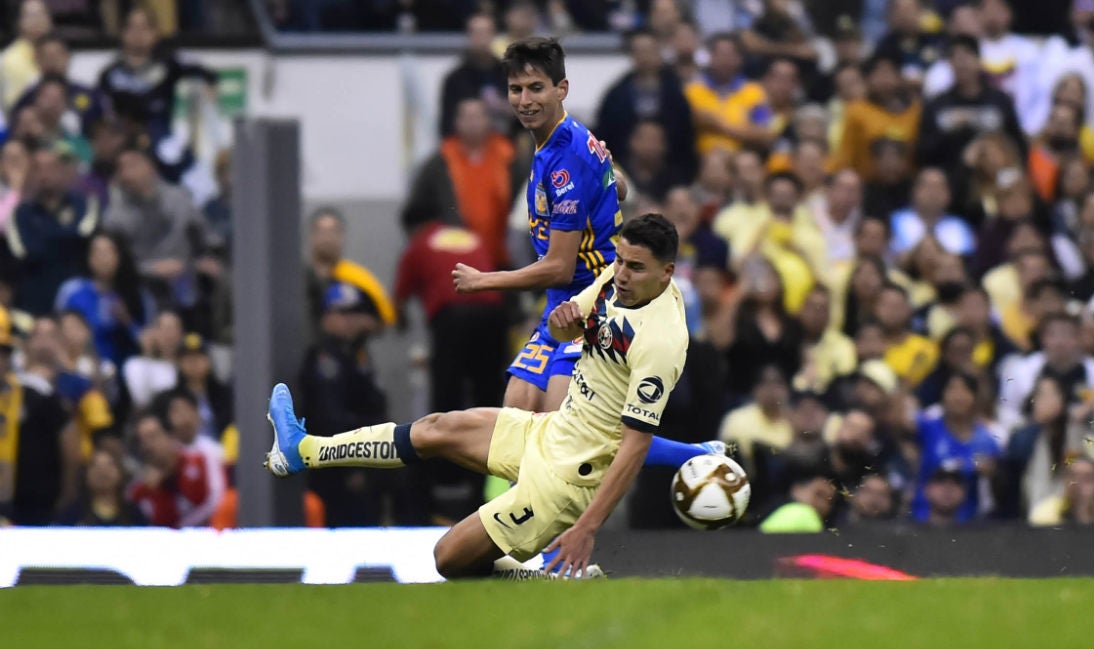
[(523, 520)]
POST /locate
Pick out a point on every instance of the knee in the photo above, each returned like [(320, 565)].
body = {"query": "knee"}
[(447, 561)]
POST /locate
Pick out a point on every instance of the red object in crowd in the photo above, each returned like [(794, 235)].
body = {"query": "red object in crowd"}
[(425, 269)]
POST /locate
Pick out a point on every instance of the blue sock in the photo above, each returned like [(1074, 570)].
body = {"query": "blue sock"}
[(665, 452), (549, 556)]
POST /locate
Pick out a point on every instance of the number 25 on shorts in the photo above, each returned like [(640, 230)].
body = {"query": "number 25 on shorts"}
[(534, 358)]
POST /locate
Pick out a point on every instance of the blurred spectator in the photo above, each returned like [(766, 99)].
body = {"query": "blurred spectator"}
[(648, 91), (80, 357), (971, 107), (763, 331), (178, 407), (873, 500), (155, 369), (326, 264), (779, 34), (213, 398), (166, 232), (218, 210), (83, 106), (141, 82), (837, 212), (729, 110), (827, 353), (50, 233), (85, 404), (1050, 150), (782, 86), (475, 176), (911, 355), (849, 86), (955, 354), (990, 345), (746, 209), (859, 296), (891, 187), (461, 375), (763, 426), (685, 52), (856, 449), (480, 75), (1037, 454), (945, 494), (110, 298), (809, 160), (18, 67), (909, 42), (521, 20), (174, 488), (954, 442), (44, 439), (107, 142), (1082, 287), (713, 187), (339, 393), (102, 500), (1076, 506), (1010, 60), (989, 159), (889, 113), (663, 17), (650, 173), (15, 167), (50, 106), (812, 498), (927, 216)]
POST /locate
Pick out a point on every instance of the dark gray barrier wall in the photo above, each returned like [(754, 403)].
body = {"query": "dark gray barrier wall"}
[(1009, 551)]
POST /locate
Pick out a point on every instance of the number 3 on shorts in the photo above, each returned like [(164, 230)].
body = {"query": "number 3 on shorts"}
[(534, 358)]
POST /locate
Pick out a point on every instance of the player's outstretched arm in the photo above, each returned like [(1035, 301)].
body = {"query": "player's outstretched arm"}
[(556, 268), (566, 321), (576, 544)]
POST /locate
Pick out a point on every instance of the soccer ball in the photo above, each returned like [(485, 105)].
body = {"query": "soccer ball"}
[(710, 491)]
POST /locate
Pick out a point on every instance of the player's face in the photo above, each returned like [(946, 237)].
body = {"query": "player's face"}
[(536, 100), (639, 276)]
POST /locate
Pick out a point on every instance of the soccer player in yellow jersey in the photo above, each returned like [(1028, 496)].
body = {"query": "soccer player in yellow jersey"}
[(571, 466)]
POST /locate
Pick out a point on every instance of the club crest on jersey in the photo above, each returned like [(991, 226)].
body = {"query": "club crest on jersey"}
[(604, 336), (541, 201)]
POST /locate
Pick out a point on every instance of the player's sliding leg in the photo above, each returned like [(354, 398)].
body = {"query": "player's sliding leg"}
[(466, 550), (462, 437)]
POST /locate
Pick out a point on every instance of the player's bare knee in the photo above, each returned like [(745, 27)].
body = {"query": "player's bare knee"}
[(447, 560), (427, 435)]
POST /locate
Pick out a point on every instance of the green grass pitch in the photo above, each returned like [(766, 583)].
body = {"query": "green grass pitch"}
[(625, 613)]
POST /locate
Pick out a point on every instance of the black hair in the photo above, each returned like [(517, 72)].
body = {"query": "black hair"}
[(784, 175), (979, 290), (775, 60), (881, 56), (954, 333), (884, 223), (327, 210), (127, 281), (654, 232), (539, 53), (50, 37), (971, 383), (52, 78), (1059, 316), (966, 42), (1045, 284), (179, 393), (638, 32), (729, 37)]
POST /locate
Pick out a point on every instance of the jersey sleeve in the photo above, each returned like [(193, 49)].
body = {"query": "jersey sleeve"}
[(656, 361), (573, 188)]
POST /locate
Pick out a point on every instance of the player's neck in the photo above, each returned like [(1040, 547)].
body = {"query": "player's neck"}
[(544, 133)]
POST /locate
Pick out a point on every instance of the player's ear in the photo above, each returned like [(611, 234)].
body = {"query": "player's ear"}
[(563, 89), (669, 269)]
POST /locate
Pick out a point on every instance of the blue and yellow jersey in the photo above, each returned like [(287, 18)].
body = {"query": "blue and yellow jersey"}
[(573, 188)]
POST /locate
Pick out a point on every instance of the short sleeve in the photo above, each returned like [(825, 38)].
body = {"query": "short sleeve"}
[(656, 362)]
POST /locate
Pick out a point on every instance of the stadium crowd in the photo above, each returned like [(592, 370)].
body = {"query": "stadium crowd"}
[(887, 219)]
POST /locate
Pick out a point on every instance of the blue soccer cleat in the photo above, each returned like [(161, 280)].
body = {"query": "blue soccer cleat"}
[(713, 447), (284, 458)]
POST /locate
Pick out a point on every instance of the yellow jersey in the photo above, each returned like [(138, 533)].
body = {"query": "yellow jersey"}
[(737, 103), (630, 361)]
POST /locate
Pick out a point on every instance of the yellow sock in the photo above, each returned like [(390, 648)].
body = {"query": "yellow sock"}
[(371, 446)]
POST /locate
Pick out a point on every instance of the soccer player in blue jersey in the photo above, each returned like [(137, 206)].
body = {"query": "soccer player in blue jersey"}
[(573, 217)]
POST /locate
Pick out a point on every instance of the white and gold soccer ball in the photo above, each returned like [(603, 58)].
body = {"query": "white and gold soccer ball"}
[(710, 491)]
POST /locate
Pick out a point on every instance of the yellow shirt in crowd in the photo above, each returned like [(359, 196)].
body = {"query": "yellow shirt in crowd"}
[(912, 358), (749, 425), (738, 103)]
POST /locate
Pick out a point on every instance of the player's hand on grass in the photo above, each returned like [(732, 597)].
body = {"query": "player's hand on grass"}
[(567, 318), (575, 548), (467, 279)]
